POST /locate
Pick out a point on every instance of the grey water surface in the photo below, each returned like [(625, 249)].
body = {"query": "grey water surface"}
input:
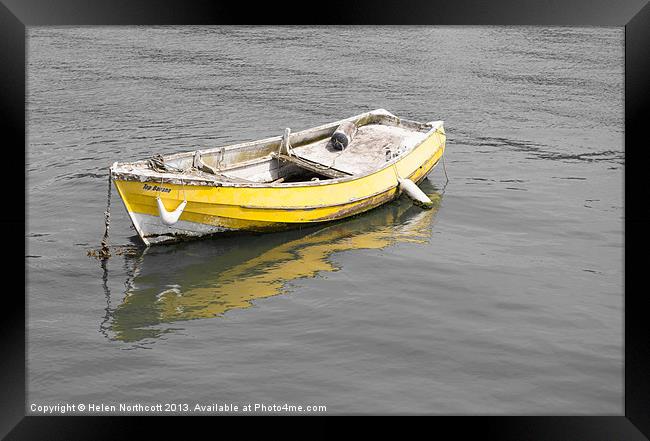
[(506, 298)]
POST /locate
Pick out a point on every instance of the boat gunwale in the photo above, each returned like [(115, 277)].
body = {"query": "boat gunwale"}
[(177, 179)]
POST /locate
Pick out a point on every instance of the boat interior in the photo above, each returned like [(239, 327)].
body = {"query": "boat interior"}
[(309, 155)]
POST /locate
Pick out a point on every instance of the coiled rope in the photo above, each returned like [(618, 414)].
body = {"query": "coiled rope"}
[(157, 163)]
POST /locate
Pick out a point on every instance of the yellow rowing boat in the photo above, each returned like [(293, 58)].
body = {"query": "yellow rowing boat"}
[(316, 175)]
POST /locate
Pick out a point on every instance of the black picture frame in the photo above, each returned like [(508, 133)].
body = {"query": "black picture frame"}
[(15, 15)]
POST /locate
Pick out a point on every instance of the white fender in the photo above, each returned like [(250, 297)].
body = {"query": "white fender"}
[(413, 191), (170, 217)]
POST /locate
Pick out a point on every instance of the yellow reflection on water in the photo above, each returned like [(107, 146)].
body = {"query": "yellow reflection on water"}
[(194, 281)]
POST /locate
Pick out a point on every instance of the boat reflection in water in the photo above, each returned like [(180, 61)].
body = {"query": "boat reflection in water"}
[(207, 278)]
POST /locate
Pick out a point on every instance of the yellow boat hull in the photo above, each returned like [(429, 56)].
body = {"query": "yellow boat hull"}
[(217, 209)]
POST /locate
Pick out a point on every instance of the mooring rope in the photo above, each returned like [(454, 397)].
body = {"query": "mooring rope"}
[(104, 253), (444, 168)]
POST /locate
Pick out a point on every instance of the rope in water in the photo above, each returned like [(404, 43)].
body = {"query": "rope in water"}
[(118, 250), (105, 253)]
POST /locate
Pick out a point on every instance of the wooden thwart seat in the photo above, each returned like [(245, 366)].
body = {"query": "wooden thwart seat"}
[(312, 166)]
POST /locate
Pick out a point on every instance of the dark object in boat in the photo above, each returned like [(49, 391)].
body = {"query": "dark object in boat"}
[(343, 135)]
